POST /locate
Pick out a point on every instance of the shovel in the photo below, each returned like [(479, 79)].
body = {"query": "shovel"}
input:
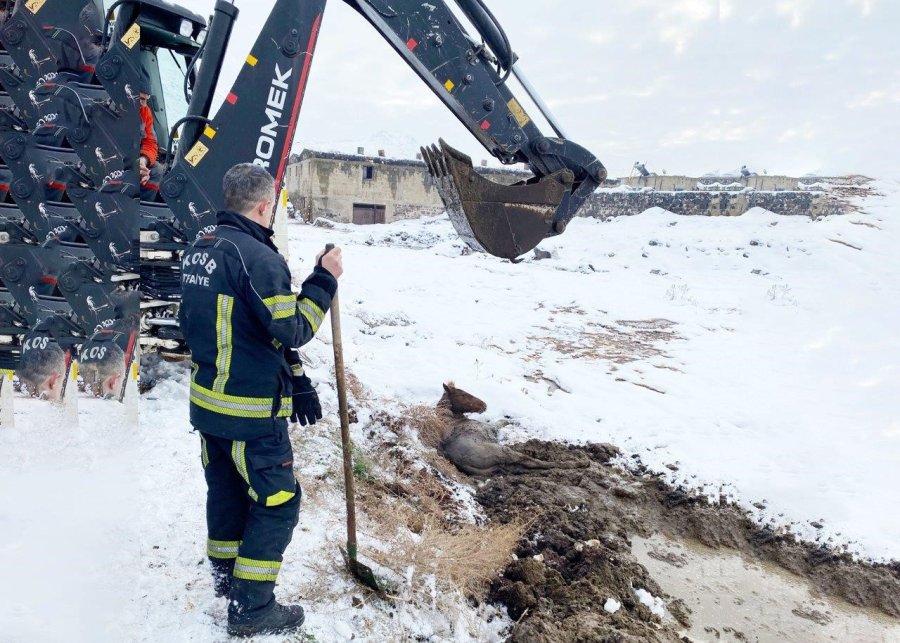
[(362, 573)]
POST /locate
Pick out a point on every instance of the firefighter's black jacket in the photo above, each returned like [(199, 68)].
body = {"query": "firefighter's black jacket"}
[(238, 316)]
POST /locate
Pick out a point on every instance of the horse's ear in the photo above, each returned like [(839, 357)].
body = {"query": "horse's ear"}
[(446, 389)]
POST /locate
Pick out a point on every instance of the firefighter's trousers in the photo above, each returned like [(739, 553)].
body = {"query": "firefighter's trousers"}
[(252, 507)]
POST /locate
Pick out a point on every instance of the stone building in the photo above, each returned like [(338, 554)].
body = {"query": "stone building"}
[(368, 189)]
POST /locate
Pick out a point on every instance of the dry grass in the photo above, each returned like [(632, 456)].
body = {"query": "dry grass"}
[(428, 422), (411, 508), (467, 558), (415, 493), (844, 243), (356, 388), (423, 534)]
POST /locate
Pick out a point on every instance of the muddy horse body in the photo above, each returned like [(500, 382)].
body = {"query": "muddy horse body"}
[(473, 446)]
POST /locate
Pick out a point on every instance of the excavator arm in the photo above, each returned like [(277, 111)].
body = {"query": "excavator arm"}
[(468, 74), (73, 210), (470, 77)]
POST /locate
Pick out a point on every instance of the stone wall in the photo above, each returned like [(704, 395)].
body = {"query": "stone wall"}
[(676, 183), (407, 211), (604, 204)]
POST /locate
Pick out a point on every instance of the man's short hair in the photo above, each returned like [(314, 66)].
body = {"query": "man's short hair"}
[(37, 364), (245, 185)]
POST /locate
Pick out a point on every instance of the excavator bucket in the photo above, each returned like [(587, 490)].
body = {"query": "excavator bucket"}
[(502, 220)]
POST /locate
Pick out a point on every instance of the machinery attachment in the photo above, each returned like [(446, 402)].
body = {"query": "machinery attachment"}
[(502, 220), (258, 118)]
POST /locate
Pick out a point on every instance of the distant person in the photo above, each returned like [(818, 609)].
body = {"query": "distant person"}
[(150, 169), (242, 322), (42, 370)]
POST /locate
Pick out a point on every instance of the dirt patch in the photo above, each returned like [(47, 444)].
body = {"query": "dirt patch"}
[(620, 343), (576, 578)]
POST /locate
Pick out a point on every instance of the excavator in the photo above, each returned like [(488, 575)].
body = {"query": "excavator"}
[(462, 54), (257, 120)]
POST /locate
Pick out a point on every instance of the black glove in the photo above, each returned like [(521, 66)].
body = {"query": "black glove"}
[(305, 402)]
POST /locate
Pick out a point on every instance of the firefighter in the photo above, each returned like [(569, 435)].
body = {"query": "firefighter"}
[(241, 322)]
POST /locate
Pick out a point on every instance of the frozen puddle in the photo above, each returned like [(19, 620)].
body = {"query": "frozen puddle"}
[(733, 599)]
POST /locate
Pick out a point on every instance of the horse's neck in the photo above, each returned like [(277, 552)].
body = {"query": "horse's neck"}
[(444, 404)]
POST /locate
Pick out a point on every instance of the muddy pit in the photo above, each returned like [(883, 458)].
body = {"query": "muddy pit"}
[(601, 538)]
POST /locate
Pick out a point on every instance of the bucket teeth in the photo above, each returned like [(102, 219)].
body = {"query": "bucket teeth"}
[(502, 220)]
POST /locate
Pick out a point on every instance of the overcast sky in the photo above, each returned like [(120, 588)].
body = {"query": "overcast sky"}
[(688, 86)]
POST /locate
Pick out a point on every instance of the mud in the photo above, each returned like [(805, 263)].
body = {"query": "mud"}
[(577, 555), (727, 594)]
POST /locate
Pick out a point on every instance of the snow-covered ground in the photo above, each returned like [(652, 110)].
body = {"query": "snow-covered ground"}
[(69, 541), (755, 357), (766, 359)]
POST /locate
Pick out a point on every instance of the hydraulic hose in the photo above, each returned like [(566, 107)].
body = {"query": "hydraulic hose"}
[(174, 131), (489, 29), (111, 11)]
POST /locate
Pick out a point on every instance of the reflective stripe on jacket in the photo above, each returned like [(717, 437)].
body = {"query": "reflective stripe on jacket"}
[(238, 316)]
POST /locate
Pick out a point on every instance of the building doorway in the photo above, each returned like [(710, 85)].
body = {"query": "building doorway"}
[(368, 214)]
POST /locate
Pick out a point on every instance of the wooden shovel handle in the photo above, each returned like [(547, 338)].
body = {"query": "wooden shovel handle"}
[(343, 411)]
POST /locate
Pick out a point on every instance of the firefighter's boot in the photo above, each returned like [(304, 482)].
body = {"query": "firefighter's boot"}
[(253, 610)]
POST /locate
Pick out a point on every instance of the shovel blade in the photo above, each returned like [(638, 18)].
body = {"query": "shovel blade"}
[(502, 220), (362, 573)]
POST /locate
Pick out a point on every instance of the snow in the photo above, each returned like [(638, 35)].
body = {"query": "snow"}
[(774, 387), (177, 602), (751, 358), (69, 521), (653, 603), (395, 146), (612, 605)]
